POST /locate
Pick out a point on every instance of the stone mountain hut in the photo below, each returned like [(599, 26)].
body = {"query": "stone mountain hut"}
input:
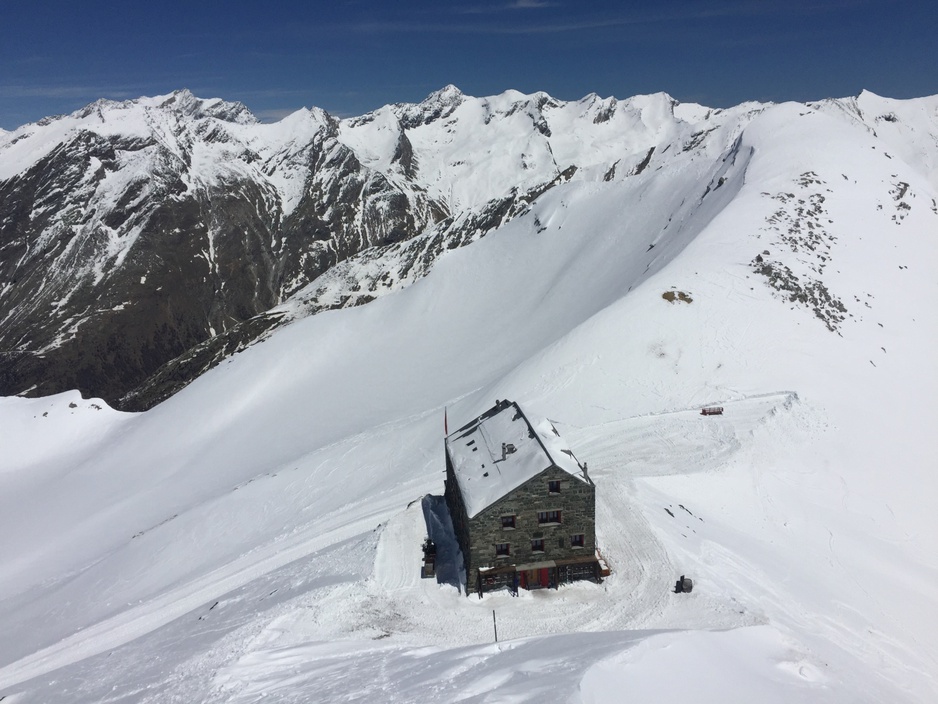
[(523, 507)]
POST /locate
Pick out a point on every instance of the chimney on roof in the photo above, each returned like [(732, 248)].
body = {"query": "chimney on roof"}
[(586, 473), (507, 449)]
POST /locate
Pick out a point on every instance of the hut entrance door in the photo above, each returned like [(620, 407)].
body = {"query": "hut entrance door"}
[(536, 579)]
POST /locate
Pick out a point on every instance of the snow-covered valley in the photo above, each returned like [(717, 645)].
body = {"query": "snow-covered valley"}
[(257, 535)]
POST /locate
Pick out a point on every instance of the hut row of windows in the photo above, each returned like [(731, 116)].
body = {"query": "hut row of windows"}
[(543, 518), (537, 545), (549, 517)]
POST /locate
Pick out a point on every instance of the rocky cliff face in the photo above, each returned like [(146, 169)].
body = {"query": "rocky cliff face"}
[(142, 242), (151, 226)]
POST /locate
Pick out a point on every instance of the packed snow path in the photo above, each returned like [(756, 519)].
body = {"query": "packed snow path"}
[(395, 602)]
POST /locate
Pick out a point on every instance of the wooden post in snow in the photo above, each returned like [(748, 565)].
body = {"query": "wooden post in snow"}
[(494, 625)]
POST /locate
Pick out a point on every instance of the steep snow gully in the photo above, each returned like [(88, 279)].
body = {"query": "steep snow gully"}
[(257, 536)]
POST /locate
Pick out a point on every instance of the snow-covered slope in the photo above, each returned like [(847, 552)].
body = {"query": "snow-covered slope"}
[(257, 535)]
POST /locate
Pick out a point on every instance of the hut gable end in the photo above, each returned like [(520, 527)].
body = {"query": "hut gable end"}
[(538, 514)]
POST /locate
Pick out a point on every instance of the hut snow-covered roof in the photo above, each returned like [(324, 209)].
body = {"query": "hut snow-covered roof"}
[(485, 472)]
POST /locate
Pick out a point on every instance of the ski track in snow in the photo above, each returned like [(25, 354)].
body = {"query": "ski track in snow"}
[(143, 619)]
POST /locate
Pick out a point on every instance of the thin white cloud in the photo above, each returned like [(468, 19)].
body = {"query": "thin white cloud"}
[(61, 91), (504, 7), (572, 22), (562, 22), (530, 4)]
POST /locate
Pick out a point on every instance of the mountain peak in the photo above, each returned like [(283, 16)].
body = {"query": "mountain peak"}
[(181, 102), (868, 94), (185, 103), (439, 104), (448, 94)]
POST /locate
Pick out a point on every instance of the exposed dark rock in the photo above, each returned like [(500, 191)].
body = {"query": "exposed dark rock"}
[(800, 225), (99, 291), (179, 372), (644, 163)]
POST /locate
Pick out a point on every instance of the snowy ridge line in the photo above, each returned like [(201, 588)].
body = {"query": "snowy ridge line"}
[(790, 397), (145, 618)]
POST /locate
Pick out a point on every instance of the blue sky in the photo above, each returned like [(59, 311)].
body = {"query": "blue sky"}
[(350, 56)]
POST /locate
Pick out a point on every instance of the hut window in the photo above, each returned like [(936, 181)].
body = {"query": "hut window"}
[(553, 487), (508, 522), (576, 541), (537, 545), (502, 549), (549, 517)]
